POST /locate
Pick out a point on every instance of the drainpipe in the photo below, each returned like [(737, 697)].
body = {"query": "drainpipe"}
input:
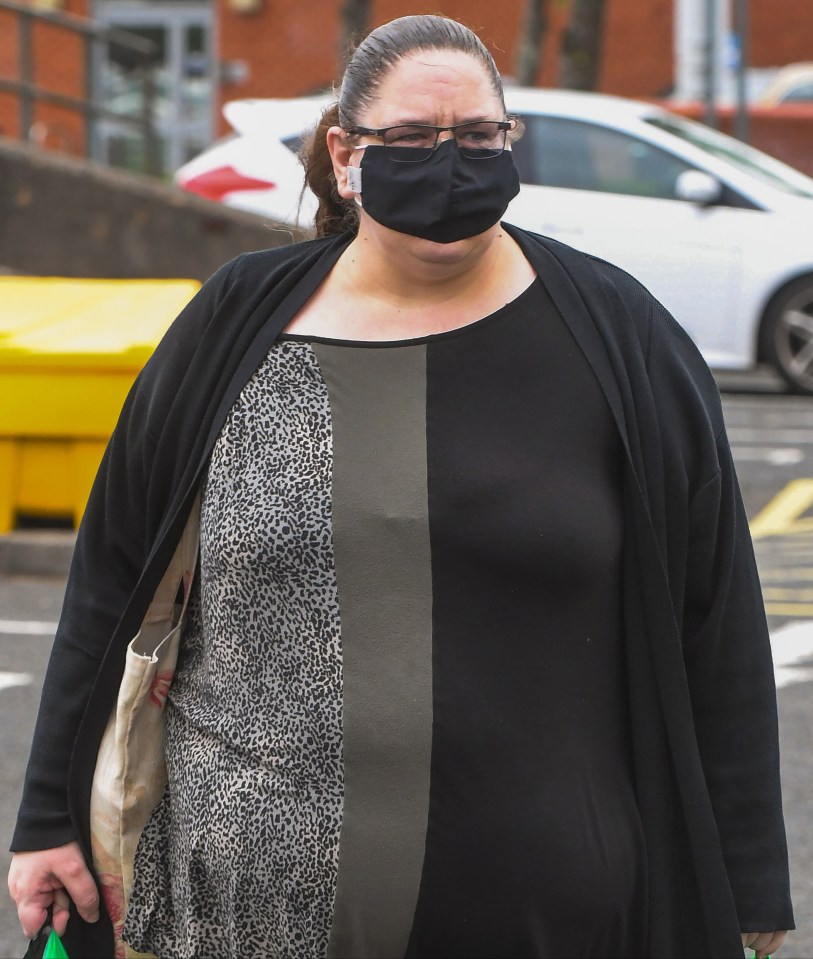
[(701, 31), (741, 31)]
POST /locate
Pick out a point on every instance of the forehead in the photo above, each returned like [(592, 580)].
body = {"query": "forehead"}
[(426, 84)]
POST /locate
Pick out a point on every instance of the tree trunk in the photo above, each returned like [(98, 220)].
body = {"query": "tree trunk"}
[(581, 45), (529, 52), (355, 19)]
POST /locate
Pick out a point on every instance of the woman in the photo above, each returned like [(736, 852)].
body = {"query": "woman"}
[(476, 663)]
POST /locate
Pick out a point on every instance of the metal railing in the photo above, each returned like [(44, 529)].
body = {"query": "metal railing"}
[(28, 92)]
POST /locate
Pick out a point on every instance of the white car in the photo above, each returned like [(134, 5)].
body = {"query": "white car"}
[(721, 233), (257, 167), (792, 84)]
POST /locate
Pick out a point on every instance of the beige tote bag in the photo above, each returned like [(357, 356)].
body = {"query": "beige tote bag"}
[(130, 771)]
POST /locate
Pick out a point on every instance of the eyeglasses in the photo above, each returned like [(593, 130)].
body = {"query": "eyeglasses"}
[(413, 142)]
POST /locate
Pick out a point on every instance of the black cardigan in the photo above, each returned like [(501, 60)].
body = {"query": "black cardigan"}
[(702, 696)]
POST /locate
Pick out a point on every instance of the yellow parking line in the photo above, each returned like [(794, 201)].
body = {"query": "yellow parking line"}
[(794, 610), (789, 573), (795, 595), (782, 514)]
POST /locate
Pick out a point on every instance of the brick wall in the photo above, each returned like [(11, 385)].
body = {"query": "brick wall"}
[(638, 57), (58, 65), (291, 49), (9, 69), (781, 32)]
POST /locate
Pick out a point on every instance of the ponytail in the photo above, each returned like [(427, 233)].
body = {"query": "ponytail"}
[(335, 214)]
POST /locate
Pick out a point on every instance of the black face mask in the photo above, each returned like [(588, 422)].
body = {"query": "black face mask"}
[(446, 198)]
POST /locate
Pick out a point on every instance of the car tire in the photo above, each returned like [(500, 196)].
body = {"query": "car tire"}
[(786, 335)]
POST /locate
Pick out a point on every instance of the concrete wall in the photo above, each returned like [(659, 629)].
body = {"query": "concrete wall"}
[(65, 217)]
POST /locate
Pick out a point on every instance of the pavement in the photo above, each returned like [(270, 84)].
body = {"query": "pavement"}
[(36, 552)]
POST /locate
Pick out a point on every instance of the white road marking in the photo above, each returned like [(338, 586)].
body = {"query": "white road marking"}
[(27, 627), (784, 456), (792, 645), (754, 435), (7, 680)]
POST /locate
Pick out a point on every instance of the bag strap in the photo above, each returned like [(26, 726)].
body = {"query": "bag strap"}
[(181, 570)]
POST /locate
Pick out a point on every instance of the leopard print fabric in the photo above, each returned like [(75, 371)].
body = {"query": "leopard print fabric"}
[(240, 857)]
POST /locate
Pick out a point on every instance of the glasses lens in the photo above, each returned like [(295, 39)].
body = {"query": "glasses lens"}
[(415, 142), (411, 144), (479, 140)]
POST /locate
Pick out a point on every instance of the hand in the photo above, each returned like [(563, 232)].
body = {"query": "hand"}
[(763, 943), (37, 879)]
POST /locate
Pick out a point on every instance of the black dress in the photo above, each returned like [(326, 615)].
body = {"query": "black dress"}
[(403, 680)]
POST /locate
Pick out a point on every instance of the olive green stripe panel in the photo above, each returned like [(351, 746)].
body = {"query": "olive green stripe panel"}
[(381, 548)]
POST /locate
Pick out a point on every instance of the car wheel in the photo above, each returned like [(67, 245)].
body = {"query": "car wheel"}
[(787, 334)]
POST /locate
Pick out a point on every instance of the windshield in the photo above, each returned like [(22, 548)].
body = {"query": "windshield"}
[(757, 164)]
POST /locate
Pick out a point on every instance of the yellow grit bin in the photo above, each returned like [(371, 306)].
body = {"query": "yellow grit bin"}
[(69, 352)]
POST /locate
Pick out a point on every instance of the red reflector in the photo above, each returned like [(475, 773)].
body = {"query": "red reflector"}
[(215, 184)]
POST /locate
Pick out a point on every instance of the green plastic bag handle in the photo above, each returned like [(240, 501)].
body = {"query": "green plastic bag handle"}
[(54, 948)]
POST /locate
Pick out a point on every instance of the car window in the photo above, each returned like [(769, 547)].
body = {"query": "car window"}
[(803, 93), (294, 143), (559, 152), (754, 162)]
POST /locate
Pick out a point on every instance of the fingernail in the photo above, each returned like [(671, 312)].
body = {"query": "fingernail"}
[(94, 917)]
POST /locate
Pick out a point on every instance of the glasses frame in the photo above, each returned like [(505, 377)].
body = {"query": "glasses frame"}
[(506, 126)]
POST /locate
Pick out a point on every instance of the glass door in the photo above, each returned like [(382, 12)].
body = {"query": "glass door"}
[(182, 81)]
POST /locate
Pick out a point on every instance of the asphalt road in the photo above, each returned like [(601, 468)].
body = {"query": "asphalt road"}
[(772, 439)]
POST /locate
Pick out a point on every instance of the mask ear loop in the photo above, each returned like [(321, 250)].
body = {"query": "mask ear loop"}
[(354, 178)]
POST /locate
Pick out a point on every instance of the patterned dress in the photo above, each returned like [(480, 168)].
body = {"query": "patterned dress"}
[(399, 723)]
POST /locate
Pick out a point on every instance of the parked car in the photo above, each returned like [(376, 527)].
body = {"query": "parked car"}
[(256, 167), (792, 84), (721, 233)]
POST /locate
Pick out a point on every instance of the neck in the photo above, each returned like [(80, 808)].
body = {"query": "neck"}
[(417, 274)]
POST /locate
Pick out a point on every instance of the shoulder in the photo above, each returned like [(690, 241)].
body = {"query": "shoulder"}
[(220, 321), (611, 294), (229, 296), (647, 339), (265, 267)]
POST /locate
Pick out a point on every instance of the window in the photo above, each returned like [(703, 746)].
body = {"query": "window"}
[(584, 156), (803, 93), (754, 162)]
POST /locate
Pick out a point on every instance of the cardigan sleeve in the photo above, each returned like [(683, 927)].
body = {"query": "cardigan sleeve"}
[(110, 551), (726, 645), (670, 413), (731, 682)]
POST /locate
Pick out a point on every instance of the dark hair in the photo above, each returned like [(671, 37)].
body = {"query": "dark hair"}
[(370, 62)]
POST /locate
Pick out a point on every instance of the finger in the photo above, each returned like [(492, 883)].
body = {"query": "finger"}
[(776, 941), (32, 914), (763, 943), (749, 938), (80, 886), (62, 911)]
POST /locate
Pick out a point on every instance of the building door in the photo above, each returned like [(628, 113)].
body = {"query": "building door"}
[(183, 82)]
